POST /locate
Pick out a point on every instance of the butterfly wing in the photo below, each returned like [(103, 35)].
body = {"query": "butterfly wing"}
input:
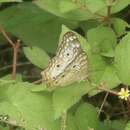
[(76, 71), (68, 52), (68, 49)]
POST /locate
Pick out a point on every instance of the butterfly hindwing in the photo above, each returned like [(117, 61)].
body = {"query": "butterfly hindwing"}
[(76, 71)]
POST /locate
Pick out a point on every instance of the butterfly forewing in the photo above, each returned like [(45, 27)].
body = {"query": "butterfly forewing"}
[(69, 62)]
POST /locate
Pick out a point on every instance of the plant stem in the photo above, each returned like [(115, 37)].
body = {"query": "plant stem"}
[(107, 90), (104, 100), (15, 47), (15, 52)]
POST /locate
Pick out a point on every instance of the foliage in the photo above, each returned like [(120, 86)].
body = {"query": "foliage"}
[(104, 36)]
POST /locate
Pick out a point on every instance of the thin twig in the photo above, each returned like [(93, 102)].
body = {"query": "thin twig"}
[(109, 15), (103, 103), (37, 81), (109, 6), (15, 52), (6, 36), (107, 90), (120, 113), (15, 47)]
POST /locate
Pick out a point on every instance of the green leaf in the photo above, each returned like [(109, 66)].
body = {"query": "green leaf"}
[(66, 97), (122, 59), (116, 6), (4, 127), (25, 25), (37, 56), (67, 6), (86, 117), (78, 14), (81, 10), (109, 77), (39, 88), (94, 5), (25, 108), (33, 26), (127, 126), (96, 67), (49, 5), (102, 40), (102, 73), (119, 26), (71, 124), (86, 25), (119, 5)]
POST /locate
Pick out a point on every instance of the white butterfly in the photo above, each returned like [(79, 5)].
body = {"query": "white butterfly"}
[(69, 65)]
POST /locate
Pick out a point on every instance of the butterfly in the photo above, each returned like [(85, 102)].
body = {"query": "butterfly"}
[(69, 65)]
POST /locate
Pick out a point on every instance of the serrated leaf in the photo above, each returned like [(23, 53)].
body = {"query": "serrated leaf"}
[(86, 117), (96, 67), (89, 9), (67, 6), (116, 6), (53, 6), (101, 72), (33, 26), (37, 56), (119, 26), (122, 60), (109, 77), (64, 98), (25, 25), (94, 5), (119, 5), (102, 40), (71, 124), (89, 24), (27, 109)]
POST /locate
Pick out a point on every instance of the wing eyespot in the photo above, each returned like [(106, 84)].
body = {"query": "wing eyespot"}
[(58, 66), (74, 66), (67, 54)]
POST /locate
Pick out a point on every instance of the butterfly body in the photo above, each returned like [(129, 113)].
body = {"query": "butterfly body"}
[(69, 65)]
